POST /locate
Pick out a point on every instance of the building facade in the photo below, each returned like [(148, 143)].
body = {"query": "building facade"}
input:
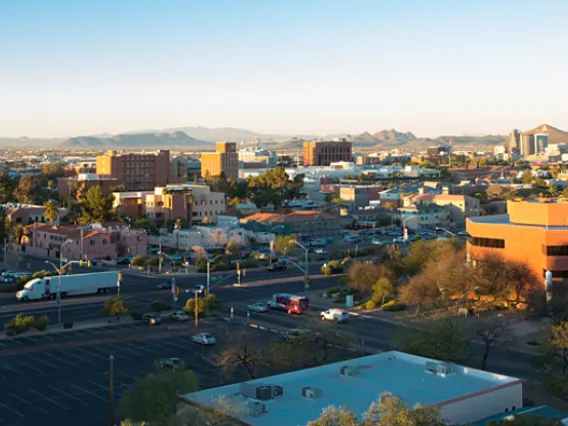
[(75, 187), (304, 222), (138, 172), (459, 207), (318, 153), (224, 160), (533, 232)]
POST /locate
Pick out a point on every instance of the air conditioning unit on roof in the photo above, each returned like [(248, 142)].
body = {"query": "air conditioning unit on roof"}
[(311, 393), (348, 371)]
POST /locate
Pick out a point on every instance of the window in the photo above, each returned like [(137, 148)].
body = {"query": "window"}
[(104, 242), (556, 274), (555, 250), (488, 242), (91, 242)]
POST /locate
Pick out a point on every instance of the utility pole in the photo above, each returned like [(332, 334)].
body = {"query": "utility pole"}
[(196, 312), (160, 256), (208, 274), (111, 389), (174, 292), (5, 251)]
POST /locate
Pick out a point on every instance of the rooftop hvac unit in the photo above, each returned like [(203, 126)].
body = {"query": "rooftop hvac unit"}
[(311, 393), (348, 371), (260, 392), (277, 391), (255, 409)]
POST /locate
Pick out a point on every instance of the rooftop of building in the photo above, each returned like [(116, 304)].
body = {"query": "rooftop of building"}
[(406, 376), (542, 411), (295, 216)]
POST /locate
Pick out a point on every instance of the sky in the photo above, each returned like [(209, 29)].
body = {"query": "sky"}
[(433, 67)]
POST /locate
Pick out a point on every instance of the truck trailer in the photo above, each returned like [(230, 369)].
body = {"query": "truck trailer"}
[(71, 285)]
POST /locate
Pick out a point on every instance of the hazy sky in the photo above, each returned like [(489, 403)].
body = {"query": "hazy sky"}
[(292, 66)]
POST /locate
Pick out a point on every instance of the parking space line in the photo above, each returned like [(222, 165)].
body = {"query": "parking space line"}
[(72, 355), (38, 359), (89, 392), (15, 340), (28, 403), (138, 348), (7, 367), (45, 336), (124, 384), (60, 359), (49, 399), (27, 365), (12, 410), (96, 354), (136, 379), (168, 342), (105, 388), (69, 396)]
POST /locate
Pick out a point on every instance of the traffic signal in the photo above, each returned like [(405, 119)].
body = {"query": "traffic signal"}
[(238, 266), (244, 272), (89, 263), (128, 250), (177, 290), (81, 262), (120, 276)]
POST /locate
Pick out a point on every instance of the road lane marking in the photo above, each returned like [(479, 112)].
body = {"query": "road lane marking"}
[(12, 410), (49, 399), (66, 395), (28, 403), (89, 392)]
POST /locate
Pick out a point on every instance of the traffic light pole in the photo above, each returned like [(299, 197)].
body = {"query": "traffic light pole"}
[(174, 292)]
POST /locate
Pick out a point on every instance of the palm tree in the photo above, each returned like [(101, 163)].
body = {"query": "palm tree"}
[(18, 233), (50, 212)]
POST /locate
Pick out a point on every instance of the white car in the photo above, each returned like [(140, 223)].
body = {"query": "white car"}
[(197, 289), (334, 314), (204, 339), (178, 316), (376, 242), (257, 307)]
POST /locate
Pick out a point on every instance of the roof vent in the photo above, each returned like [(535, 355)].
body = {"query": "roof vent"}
[(261, 392), (311, 393), (348, 371), (440, 368)]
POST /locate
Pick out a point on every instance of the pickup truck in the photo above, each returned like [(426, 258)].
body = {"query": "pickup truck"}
[(336, 315)]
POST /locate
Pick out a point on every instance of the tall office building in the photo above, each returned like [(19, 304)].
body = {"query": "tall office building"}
[(514, 142), (138, 172), (225, 159), (324, 153), (535, 141)]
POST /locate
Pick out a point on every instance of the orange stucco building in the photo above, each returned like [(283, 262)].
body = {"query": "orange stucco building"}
[(535, 232)]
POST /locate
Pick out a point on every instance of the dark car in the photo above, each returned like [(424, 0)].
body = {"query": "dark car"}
[(277, 266)]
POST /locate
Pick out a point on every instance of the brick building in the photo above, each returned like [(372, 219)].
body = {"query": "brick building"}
[(75, 187), (324, 153), (138, 172), (225, 159)]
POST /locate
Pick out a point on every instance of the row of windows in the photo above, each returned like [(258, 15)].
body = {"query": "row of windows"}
[(556, 274), (488, 242), (555, 250)]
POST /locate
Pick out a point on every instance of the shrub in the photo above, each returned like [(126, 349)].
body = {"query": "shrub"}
[(250, 263), (333, 267), (393, 306), (40, 324), (159, 305), (370, 305), (221, 266), (201, 263), (20, 323), (212, 303), (136, 316), (67, 324), (152, 262), (139, 261)]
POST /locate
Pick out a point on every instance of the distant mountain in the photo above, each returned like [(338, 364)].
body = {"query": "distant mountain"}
[(232, 134), (142, 140)]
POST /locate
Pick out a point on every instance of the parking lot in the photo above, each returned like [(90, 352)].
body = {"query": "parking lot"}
[(49, 379)]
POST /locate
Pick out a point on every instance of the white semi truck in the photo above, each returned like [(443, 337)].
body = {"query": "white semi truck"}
[(71, 285)]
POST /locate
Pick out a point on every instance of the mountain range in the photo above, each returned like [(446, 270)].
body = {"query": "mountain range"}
[(190, 138)]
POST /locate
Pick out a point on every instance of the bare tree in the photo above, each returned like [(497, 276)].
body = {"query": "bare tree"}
[(242, 350), (491, 333)]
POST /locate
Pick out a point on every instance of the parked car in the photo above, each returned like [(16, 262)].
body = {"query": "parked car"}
[(320, 251), (257, 307), (172, 364), (334, 314), (151, 318), (376, 242), (164, 286), (178, 316), (398, 240), (125, 260), (204, 339), (277, 266)]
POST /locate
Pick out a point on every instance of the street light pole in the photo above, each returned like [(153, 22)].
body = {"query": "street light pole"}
[(208, 274), (160, 256), (60, 270), (111, 389)]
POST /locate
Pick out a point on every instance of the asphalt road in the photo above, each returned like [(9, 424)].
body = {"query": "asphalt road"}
[(89, 307), (52, 378)]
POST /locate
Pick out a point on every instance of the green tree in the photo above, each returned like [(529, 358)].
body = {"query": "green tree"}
[(154, 398), (7, 187), (53, 171), (138, 261), (285, 244), (233, 249), (96, 205), (115, 307), (50, 211), (144, 223), (443, 340), (383, 289), (565, 192), (17, 233), (27, 189), (527, 178), (364, 275), (159, 306)]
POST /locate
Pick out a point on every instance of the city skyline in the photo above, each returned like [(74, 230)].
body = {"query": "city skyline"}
[(293, 67)]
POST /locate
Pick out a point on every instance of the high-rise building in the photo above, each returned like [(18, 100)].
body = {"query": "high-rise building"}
[(514, 142), (225, 159), (536, 141), (138, 172), (318, 153)]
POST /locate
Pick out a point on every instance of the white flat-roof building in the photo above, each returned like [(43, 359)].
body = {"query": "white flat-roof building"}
[(462, 394)]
